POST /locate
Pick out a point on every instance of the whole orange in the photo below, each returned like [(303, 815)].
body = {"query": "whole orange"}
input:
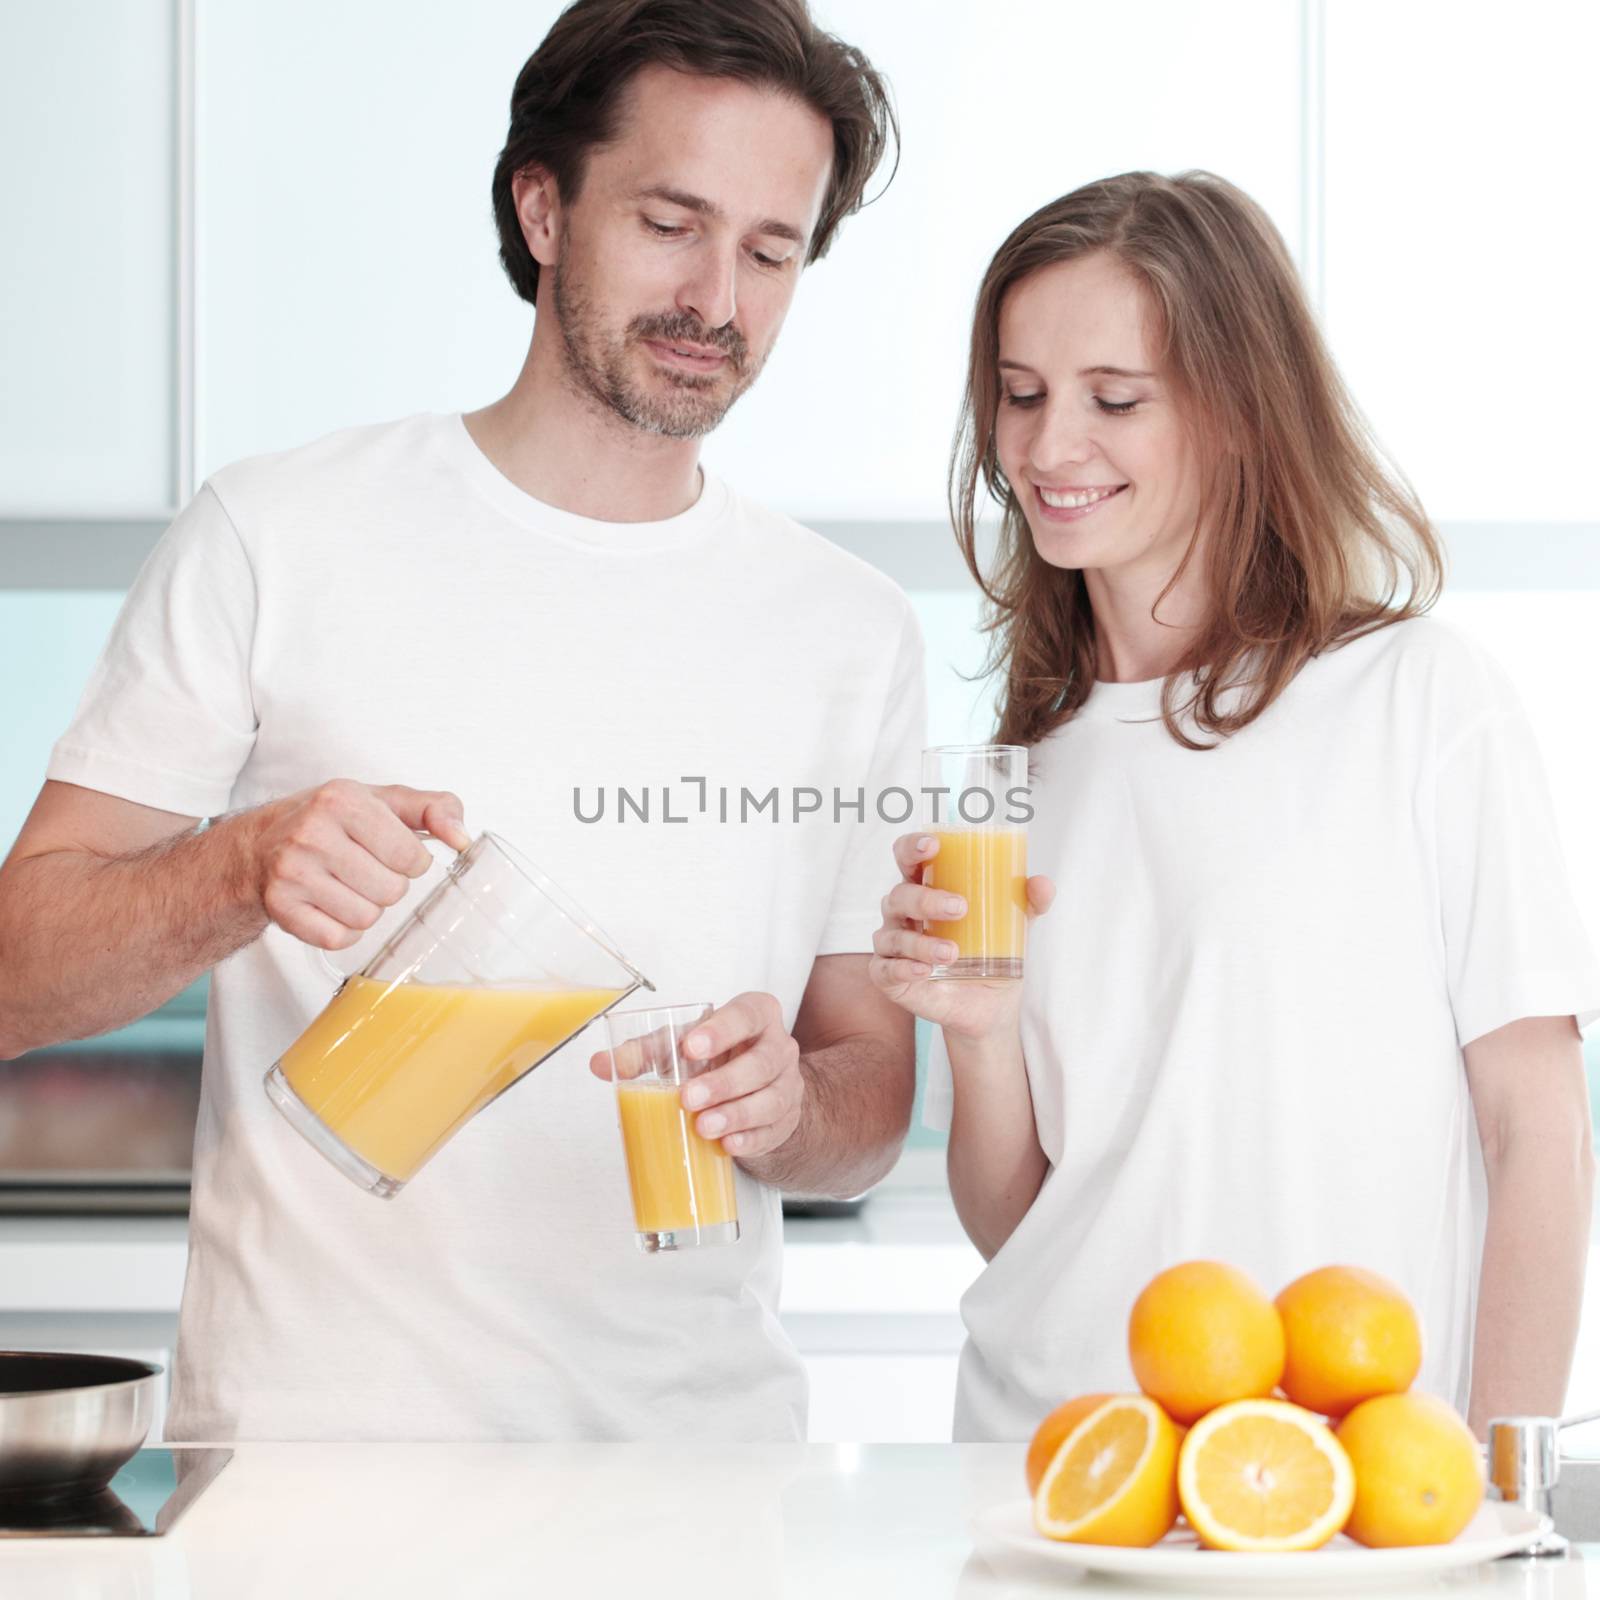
[(1049, 1434), (1419, 1477), (1350, 1334), (1202, 1334)]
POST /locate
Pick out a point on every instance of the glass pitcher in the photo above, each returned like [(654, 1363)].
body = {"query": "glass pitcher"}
[(494, 971)]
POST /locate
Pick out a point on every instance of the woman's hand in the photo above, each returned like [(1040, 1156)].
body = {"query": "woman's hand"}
[(904, 956)]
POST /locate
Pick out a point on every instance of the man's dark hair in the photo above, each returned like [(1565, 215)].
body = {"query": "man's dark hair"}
[(567, 95)]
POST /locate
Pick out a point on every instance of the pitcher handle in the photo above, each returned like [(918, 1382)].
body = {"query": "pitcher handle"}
[(319, 956)]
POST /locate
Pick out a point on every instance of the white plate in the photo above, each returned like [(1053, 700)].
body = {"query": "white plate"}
[(1496, 1530)]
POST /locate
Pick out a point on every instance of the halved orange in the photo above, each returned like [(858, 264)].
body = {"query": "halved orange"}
[(1264, 1475), (1049, 1434), (1113, 1480)]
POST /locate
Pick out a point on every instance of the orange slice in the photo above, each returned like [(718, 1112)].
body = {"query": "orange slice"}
[(1113, 1480), (1264, 1475), (1049, 1434)]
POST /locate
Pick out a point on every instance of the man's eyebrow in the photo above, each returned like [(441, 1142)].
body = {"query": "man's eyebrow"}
[(709, 208)]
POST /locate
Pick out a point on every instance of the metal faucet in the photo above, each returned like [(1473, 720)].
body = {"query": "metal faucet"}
[(1524, 1464)]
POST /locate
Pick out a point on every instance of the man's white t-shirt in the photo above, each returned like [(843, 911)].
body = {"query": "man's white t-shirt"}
[(1243, 1018), (384, 605)]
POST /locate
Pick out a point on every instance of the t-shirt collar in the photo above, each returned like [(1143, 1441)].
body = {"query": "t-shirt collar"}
[(689, 527)]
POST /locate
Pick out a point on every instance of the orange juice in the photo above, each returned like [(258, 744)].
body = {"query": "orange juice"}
[(679, 1180), (988, 867), (393, 1069)]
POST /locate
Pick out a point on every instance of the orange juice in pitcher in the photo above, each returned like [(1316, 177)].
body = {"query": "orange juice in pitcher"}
[(392, 1070), (493, 971)]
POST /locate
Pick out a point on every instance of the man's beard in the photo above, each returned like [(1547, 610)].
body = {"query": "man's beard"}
[(598, 365)]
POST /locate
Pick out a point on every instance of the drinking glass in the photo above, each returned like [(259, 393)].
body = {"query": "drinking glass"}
[(975, 803), (494, 971), (683, 1186)]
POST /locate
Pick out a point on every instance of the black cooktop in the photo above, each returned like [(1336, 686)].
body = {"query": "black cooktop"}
[(146, 1498)]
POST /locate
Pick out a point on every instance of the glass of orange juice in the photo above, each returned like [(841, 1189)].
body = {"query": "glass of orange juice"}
[(683, 1186), (975, 803), (494, 971)]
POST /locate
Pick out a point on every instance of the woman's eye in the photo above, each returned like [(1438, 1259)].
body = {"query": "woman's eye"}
[(1023, 399), (1115, 408)]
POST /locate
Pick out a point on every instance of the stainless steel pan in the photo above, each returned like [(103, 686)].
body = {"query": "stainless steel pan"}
[(67, 1422)]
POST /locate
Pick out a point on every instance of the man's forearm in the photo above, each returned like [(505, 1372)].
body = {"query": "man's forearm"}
[(1531, 1289), (857, 1109), (88, 943)]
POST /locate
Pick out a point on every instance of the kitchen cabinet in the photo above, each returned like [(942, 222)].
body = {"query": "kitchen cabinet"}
[(347, 251), (88, 273), (1460, 249), (870, 1302), (349, 261), (1003, 107), (344, 257), (102, 1285)]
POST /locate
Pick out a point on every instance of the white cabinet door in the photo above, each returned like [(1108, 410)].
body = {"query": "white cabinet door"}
[(898, 1397), (1003, 106), (348, 257), (87, 275), (1462, 238)]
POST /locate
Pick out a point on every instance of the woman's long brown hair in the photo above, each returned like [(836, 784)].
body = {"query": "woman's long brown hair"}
[(1313, 538)]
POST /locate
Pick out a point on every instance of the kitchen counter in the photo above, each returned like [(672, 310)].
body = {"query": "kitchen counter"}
[(904, 1253), (648, 1522), (869, 1301)]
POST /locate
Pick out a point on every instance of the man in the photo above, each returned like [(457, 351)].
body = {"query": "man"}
[(546, 600)]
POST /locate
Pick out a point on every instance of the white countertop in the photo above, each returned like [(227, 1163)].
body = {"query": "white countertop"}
[(571, 1522)]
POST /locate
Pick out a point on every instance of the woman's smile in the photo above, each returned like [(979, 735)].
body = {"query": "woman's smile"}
[(1072, 505)]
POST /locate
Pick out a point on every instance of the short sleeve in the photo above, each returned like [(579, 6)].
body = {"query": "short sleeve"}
[(167, 719), (868, 871), (1515, 944)]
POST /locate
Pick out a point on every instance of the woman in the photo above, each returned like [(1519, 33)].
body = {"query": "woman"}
[(1316, 970)]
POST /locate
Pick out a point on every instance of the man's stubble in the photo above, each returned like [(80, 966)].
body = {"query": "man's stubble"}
[(597, 365)]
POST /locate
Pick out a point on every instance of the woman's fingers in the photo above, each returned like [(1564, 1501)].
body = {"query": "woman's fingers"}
[(913, 946), (893, 972), (910, 902), (911, 851), (1041, 895)]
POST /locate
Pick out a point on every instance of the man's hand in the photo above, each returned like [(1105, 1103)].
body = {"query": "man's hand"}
[(325, 863), (752, 1094)]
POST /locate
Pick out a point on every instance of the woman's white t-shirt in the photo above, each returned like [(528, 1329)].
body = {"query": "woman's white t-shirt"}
[(1243, 1019)]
